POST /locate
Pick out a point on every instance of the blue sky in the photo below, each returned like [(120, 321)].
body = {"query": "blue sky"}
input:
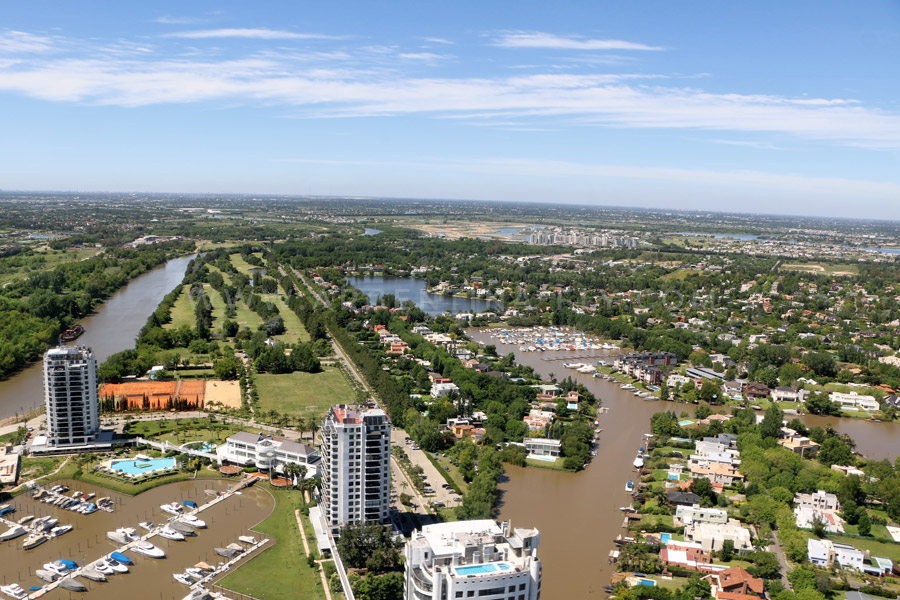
[(784, 107)]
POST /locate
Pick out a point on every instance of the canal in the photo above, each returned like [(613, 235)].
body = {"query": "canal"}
[(149, 578), (578, 513), (407, 288), (112, 328)]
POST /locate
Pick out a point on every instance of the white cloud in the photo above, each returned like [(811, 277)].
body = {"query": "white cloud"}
[(247, 33), (437, 40), (370, 81), (537, 39), (19, 42)]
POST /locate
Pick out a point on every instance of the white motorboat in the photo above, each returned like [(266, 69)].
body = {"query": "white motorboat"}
[(116, 565), (146, 525), (25, 519), (14, 590), (194, 521), (182, 578), (47, 576), (148, 549), (247, 539), (12, 533), (171, 534), (103, 567), (172, 508), (60, 530), (118, 537), (638, 462), (195, 572), (56, 567), (34, 540)]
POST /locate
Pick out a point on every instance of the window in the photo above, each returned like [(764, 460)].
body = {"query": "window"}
[(459, 594)]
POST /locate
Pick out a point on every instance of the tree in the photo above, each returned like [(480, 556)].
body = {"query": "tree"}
[(835, 452), (771, 423), (703, 488), (369, 545), (227, 368), (275, 325), (864, 525), (727, 551), (663, 391)]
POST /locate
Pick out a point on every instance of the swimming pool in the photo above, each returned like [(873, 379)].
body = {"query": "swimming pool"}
[(648, 582), (140, 467), (484, 569), (665, 537), (201, 446)]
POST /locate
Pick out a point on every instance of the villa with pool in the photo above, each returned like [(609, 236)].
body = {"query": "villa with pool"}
[(268, 453)]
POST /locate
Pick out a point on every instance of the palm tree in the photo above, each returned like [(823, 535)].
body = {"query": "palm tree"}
[(313, 426), (301, 426), (291, 470)]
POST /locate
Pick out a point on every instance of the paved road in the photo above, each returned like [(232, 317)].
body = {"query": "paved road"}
[(778, 551), (433, 477)]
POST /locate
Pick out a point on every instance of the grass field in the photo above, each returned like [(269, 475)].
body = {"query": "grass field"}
[(296, 332), (823, 268), (891, 550), (51, 259), (303, 394), (279, 572), (182, 312), (242, 265)]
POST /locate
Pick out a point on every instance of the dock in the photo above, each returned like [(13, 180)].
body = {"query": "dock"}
[(155, 531)]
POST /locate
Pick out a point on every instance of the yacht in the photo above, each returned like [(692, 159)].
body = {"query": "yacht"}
[(56, 567), (638, 462), (12, 533), (182, 528), (25, 519), (170, 534), (60, 530), (116, 566), (34, 540), (14, 590), (194, 521), (629, 487), (247, 539), (148, 549), (146, 525), (182, 578), (47, 576), (72, 585), (172, 509), (103, 567)]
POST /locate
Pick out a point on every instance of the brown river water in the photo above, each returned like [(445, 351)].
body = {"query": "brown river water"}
[(148, 578), (578, 513), (111, 329)]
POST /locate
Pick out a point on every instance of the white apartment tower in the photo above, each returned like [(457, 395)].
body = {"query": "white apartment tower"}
[(356, 470), (70, 396), (472, 559)]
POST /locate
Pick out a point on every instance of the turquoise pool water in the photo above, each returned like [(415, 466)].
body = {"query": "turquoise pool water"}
[(649, 582), (201, 446), (482, 569), (139, 467), (665, 537)]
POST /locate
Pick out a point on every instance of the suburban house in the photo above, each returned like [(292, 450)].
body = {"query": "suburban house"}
[(441, 390), (717, 473), (786, 393), (797, 444), (824, 553), (686, 555), (683, 498), (710, 536), (688, 515), (268, 453), (855, 401), (735, 584), (807, 516), (820, 500), (757, 390), (537, 420), (543, 447)]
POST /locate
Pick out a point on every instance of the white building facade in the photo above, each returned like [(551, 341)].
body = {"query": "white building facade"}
[(356, 470), (268, 453), (70, 396), (472, 559)]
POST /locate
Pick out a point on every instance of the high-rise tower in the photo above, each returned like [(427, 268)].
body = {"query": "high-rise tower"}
[(70, 396)]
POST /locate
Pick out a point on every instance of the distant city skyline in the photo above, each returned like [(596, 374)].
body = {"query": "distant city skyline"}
[(775, 108)]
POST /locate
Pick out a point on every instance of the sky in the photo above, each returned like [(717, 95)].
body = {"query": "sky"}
[(769, 107)]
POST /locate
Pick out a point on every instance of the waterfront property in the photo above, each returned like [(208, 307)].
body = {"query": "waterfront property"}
[(268, 453), (540, 447), (710, 536), (466, 559), (688, 515), (142, 465), (70, 395)]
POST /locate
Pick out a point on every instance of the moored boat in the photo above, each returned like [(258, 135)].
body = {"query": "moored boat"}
[(34, 540), (92, 574), (148, 549), (12, 533), (72, 585)]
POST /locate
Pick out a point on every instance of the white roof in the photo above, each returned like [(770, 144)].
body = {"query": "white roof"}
[(442, 537)]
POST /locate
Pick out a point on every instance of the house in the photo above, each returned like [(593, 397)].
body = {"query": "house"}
[(807, 516), (440, 390), (757, 390), (855, 401), (824, 553), (710, 536), (848, 470), (786, 393), (543, 447), (735, 584), (798, 444), (688, 515), (716, 472), (537, 420), (548, 389), (686, 555), (683, 498), (820, 500)]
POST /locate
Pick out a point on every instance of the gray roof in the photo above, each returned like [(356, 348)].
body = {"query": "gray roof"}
[(296, 448), (245, 437)]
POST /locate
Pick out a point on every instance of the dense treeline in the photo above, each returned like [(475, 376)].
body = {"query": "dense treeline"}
[(34, 311)]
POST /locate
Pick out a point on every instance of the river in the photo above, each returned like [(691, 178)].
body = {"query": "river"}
[(149, 578), (112, 328), (578, 513), (407, 288)]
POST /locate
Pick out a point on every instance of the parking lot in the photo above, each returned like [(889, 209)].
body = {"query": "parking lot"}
[(435, 490)]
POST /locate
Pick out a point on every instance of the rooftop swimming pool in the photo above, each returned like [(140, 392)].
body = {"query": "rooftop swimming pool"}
[(484, 569), (140, 467)]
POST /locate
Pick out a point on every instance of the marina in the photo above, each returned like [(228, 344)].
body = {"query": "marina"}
[(548, 339), (99, 563)]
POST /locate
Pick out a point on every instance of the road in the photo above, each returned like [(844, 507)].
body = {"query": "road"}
[(778, 551)]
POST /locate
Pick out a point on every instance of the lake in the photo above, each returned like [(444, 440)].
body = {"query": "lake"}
[(407, 288)]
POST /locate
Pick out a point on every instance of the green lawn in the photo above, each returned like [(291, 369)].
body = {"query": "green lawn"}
[(182, 312), (280, 572), (242, 265), (296, 332), (452, 471), (887, 550), (556, 465), (303, 394)]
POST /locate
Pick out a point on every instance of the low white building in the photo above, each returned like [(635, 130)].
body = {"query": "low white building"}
[(441, 390), (688, 515), (820, 500), (710, 536), (806, 517), (854, 400), (472, 559), (267, 452), (825, 553), (543, 447)]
